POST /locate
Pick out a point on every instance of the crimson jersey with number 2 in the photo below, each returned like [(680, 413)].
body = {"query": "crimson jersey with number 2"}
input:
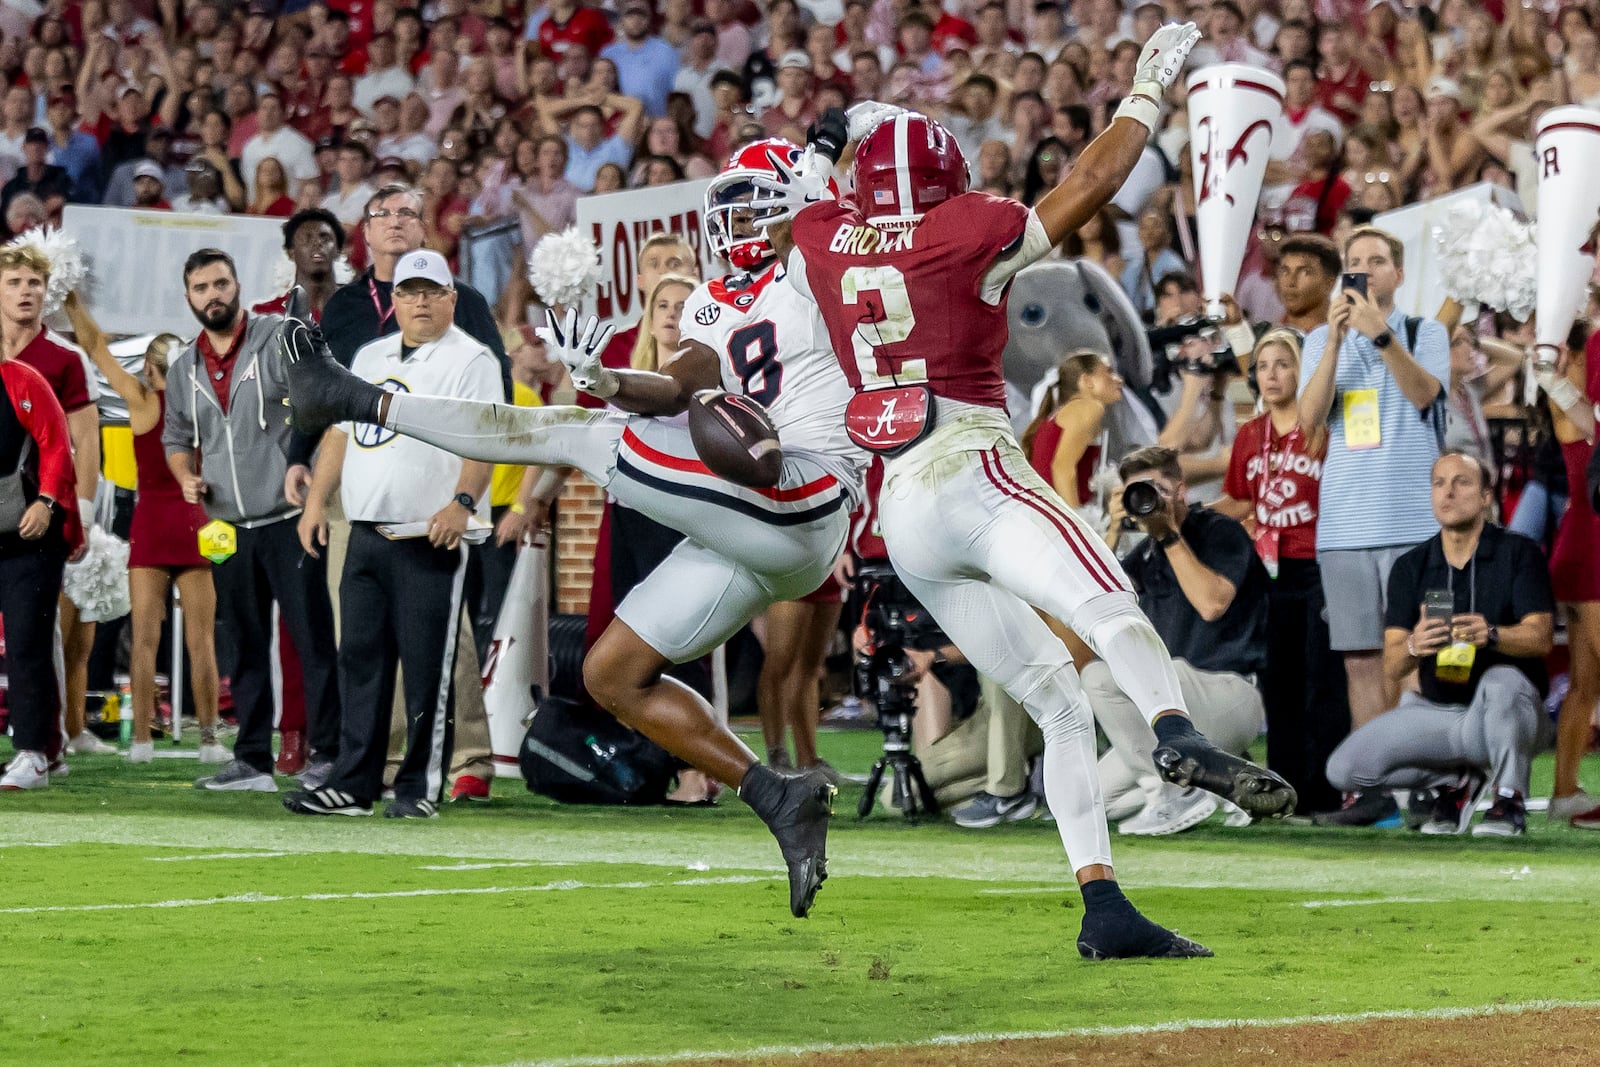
[(907, 306)]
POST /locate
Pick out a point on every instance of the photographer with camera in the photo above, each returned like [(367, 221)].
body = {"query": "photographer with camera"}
[(1375, 379), (1200, 582)]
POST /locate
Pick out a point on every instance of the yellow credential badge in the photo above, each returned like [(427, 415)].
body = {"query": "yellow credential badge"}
[(218, 541)]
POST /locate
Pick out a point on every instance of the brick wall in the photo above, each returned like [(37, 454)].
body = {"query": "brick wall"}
[(577, 526)]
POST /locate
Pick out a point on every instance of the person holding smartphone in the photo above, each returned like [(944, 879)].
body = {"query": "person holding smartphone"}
[(1471, 611), (1374, 379)]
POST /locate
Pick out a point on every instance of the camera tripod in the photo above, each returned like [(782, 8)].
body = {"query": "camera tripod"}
[(910, 790)]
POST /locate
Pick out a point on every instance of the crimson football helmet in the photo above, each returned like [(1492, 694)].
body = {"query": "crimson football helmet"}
[(905, 167), (729, 228)]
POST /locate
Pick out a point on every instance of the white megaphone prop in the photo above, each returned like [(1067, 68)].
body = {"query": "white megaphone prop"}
[(1234, 110), (1567, 153), (519, 659)]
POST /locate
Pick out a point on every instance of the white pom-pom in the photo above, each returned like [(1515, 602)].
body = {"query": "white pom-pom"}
[(564, 267), (67, 268), (98, 583), (1485, 255)]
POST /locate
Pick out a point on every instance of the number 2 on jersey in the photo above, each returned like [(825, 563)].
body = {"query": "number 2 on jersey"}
[(888, 321), (754, 352)]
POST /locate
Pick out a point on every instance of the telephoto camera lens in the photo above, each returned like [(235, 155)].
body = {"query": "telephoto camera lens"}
[(1140, 499)]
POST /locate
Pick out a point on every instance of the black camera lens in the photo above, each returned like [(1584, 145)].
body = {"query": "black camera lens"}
[(1140, 499)]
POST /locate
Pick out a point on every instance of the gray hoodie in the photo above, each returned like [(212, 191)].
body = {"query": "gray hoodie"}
[(243, 452)]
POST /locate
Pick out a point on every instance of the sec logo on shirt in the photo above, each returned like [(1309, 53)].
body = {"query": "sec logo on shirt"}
[(367, 435), (708, 315)]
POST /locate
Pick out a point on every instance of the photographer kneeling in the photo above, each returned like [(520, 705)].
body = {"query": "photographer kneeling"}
[(1204, 589), (1470, 609)]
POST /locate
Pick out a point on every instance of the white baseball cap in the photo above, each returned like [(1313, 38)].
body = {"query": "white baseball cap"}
[(426, 264)]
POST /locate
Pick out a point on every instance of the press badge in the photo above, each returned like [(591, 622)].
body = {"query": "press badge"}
[(1454, 662), (218, 541), (1361, 426)]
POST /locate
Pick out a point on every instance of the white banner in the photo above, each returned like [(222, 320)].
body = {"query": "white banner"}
[(620, 223), (135, 261)]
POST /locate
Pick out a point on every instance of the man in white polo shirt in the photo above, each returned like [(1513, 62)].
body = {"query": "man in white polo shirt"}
[(400, 595)]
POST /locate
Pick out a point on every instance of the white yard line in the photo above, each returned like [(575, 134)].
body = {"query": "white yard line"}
[(1355, 903), (472, 866), (960, 1040), (267, 898)]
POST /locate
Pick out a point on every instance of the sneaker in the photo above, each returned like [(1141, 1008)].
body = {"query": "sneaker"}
[(28, 770), (1418, 810), (827, 770), (1506, 817), (1187, 758), (87, 744), (321, 392), (1452, 810), (469, 787), (796, 809), (58, 767), (986, 810), (291, 753), (406, 808), (1234, 815), (215, 753), (1374, 807), (1587, 820), (778, 759), (1118, 931), (237, 776), (142, 752), (1171, 812), (1562, 809), (317, 774), (324, 802)]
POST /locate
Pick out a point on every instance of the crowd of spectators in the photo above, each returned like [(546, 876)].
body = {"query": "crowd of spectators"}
[(503, 115)]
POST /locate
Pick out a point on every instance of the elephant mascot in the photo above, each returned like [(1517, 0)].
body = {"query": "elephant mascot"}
[(1062, 306)]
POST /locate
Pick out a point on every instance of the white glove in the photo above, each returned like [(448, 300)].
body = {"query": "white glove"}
[(868, 115), (1160, 63), (581, 354), (781, 198)]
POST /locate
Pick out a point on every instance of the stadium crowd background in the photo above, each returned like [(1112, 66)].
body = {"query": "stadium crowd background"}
[(496, 112)]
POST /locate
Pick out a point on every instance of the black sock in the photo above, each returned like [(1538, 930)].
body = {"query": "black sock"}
[(1101, 893), (1171, 727)]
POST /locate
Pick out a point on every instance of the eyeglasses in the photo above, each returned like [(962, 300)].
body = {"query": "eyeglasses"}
[(385, 213), (421, 296)]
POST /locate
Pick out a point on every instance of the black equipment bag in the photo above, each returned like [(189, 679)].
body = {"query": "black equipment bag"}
[(577, 755)]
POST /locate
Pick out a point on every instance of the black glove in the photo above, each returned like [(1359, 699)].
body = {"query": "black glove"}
[(830, 133)]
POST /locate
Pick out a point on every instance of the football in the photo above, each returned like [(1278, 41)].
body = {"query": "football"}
[(735, 438)]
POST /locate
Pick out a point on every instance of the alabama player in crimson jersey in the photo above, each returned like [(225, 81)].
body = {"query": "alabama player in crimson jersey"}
[(745, 548), (911, 275)]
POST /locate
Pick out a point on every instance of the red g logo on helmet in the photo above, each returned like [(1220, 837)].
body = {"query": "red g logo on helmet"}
[(906, 167), (729, 229)]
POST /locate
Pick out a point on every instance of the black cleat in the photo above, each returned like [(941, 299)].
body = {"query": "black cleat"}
[(321, 392), (1187, 757), (324, 802), (796, 809), (1117, 931)]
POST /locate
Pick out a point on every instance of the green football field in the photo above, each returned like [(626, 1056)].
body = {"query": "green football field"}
[(149, 923)]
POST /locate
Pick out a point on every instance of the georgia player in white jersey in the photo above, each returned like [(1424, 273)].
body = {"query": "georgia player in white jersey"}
[(912, 273), (745, 548)]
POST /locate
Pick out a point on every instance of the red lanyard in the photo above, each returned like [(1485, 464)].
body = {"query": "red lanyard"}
[(377, 305)]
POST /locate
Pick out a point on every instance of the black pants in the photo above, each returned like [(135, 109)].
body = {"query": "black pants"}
[(489, 569), (30, 581), (270, 565), (1303, 685), (399, 602)]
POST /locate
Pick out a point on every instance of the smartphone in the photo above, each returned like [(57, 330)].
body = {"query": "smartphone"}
[(1439, 604), (1356, 280)]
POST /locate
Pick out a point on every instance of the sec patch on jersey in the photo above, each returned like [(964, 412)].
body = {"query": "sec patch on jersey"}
[(734, 437)]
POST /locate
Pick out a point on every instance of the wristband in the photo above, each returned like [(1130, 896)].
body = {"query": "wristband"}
[(1240, 337), (1411, 649), (1143, 105), (604, 385), (518, 509), (1167, 541)]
